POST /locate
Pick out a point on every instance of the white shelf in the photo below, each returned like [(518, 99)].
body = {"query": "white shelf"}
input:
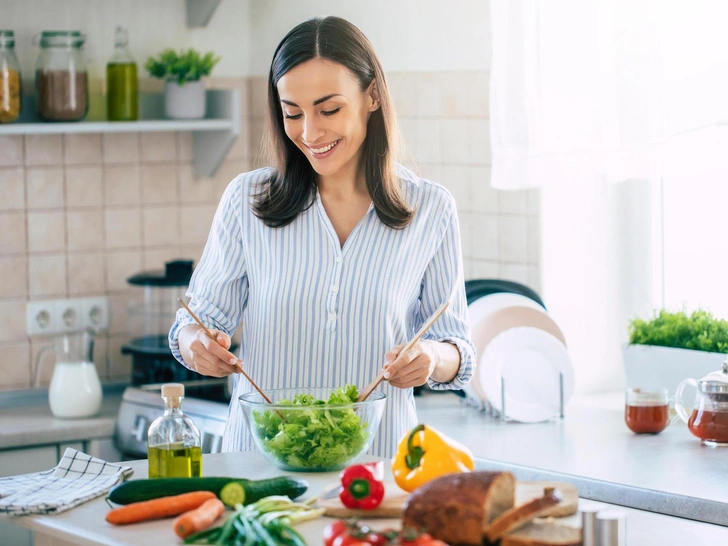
[(212, 135)]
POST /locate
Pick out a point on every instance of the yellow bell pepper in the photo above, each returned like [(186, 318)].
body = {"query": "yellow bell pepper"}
[(425, 454)]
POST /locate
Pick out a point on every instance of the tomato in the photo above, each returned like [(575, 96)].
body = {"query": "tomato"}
[(377, 539), (347, 540), (333, 530), (422, 540)]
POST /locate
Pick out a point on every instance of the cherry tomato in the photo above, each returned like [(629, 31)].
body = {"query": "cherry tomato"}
[(347, 540), (334, 530), (377, 539)]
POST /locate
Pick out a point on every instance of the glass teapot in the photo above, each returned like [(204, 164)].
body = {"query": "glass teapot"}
[(75, 389), (708, 418)]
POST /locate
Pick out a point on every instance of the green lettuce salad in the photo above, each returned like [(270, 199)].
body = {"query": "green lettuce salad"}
[(320, 437)]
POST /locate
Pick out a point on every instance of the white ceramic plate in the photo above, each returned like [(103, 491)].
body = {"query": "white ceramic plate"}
[(479, 311), (529, 360)]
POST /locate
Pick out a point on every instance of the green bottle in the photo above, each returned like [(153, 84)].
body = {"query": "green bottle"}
[(122, 96)]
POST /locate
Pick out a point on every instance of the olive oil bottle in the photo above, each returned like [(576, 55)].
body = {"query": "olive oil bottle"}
[(122, 94), (174, 448)]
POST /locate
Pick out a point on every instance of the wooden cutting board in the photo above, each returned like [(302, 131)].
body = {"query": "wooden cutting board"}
[(394, 500)]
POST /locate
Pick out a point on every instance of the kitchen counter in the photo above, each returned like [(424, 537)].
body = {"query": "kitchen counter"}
[(670, 473), (85, 525), (26, 420)]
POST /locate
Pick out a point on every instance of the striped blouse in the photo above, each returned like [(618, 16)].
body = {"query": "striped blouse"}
[(318, 315)]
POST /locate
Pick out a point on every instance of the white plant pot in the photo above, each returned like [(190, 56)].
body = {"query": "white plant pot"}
[(184, 101), (650, 366)]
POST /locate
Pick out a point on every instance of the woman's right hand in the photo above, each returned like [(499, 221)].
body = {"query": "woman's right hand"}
[(208, 356)]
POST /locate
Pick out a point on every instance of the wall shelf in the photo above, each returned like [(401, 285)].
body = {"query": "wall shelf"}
[(212, 135)]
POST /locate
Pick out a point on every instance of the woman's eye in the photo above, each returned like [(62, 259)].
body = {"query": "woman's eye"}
[(297, 116), (330, 112)]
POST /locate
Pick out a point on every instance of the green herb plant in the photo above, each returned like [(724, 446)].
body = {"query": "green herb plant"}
[(182, 67), (324, 436), (699, 331)]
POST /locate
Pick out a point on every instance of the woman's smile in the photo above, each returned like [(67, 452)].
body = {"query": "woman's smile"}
[(323, 151)]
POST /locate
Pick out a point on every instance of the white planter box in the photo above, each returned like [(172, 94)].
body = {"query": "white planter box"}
[(650, 366), (184, 101)]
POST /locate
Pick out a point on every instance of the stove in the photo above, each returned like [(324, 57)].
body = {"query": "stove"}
[(140, 405)]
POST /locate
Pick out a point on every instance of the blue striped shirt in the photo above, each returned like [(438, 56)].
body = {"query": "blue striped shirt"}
[(318, 315)]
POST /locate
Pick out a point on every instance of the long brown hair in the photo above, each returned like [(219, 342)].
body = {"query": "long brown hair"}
[(292, 187)]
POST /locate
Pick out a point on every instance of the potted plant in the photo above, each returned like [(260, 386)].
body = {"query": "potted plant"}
[(184, 91), (670, 347)]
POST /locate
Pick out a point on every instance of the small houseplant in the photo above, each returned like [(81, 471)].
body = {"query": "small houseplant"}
[(184, 91), (672, 346)]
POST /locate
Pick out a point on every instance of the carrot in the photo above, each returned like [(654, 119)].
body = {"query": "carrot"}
[(163, 507), (198, 519)]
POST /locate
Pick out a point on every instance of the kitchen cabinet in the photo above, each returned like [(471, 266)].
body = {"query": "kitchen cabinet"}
[(212, 135)]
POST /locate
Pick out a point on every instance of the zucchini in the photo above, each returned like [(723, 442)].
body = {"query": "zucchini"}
[(143, 490)]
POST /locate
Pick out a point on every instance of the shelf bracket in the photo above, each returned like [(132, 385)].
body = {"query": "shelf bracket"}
[(211, 147), (199, 12)]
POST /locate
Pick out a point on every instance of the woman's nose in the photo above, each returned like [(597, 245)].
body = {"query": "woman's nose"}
[(311, 129)]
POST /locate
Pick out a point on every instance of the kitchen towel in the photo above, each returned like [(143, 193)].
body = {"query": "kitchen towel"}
[(77, 478)]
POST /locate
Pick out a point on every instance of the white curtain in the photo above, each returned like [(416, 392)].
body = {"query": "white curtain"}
[(586, 93)]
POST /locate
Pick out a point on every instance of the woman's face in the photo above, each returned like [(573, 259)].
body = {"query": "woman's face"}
[(325, 114)]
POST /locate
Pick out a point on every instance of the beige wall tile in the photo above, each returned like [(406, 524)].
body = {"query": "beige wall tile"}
[(122, 185), (11, 150), (534, 241), (427, 135), (197, 231), (156, 258), (123, 228), (228, 171), (479, 138), (46, 231), (119, 314), (191, 251), (258, 88), (427, 96), (120, 265), (513, 239), (402, 91), (120, 147), (514, 272), (481, 269), (455, 141), (85, 229), (12, 189), (13, 277), (84, 187), (119, 364), (159, 183), (86, 274), (12, 232), (534, 277), (513, 202), (534, 202), (12, 320), (185, 151), (456, 94), (47, 276), (457, 180), (45, 360), (480, 93), (465, 236), (484, 235), (44, 187), (240, 148), (485, 197), (158, 146), (15, 366), (82, 149), (193, 189), (43, 150), (160, 226)]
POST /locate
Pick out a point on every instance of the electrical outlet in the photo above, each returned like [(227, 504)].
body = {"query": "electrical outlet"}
[(69, 315), (40, 318), (95, 313)]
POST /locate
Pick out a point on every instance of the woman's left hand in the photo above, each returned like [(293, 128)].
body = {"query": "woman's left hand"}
[(413, 368)]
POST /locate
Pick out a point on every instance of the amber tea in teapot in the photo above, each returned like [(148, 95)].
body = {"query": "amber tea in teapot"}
[(708, 418)]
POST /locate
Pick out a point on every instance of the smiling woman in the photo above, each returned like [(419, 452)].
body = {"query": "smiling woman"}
[(336, 255)]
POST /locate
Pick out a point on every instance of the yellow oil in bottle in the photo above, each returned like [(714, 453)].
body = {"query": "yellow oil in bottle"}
[(175, 461)]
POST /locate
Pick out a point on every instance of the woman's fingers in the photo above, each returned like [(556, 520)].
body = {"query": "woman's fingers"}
[(209, 357), (392, 370)]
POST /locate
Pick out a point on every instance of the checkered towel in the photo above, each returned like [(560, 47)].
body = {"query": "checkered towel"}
[(77, 478)]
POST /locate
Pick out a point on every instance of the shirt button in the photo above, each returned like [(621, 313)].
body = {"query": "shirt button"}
[(332, 316), (338, 259), (334, 288)]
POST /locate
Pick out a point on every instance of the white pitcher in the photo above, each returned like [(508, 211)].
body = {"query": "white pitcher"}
[(75, 389)]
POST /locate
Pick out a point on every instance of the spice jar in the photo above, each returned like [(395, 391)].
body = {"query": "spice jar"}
[(61, 79), (10, 86)]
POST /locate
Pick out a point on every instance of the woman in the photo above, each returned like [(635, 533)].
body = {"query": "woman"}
[(335, 257)]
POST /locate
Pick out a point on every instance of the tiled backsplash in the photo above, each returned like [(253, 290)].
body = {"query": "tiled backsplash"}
[(81, 213)]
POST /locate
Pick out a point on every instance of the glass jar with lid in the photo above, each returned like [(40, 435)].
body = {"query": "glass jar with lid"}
[(61, 78), (10, 82)]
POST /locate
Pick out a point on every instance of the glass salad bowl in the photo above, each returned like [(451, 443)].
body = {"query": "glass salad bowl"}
[(312, 429)]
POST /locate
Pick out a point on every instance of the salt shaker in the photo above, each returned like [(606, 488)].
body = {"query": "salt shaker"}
[(611, 528), (589, 524)]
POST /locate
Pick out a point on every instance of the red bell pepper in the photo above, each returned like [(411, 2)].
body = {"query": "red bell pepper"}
[(360, 488)]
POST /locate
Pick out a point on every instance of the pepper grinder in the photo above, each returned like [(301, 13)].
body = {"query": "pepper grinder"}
[(611, 528), (589, 524)]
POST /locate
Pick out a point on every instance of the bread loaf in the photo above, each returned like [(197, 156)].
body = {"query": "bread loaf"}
[(519, 516), (543, 533), (457, 508)]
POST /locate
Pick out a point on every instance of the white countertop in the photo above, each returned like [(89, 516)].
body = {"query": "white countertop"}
[(85, 525)]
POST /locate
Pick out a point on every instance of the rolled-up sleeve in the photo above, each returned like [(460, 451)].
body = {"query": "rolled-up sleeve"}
[(444, 281), (218, 287)]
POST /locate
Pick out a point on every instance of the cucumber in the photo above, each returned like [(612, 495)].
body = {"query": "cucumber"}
[(143, 490)]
